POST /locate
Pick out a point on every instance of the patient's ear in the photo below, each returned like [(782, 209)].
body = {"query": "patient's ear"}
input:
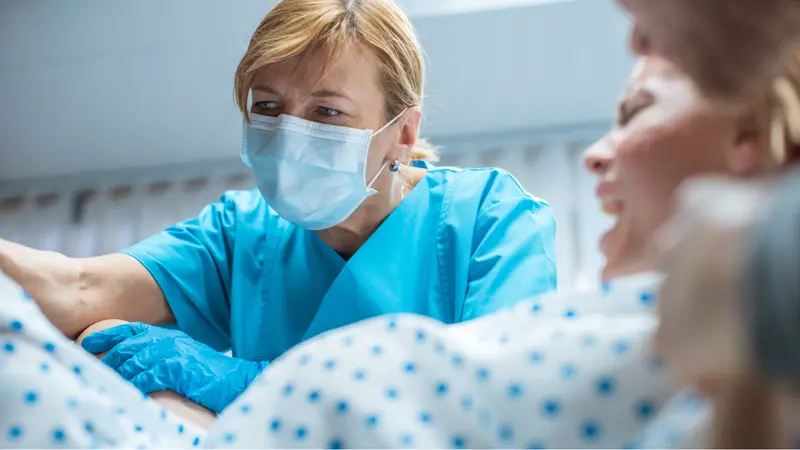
[(748, 155)]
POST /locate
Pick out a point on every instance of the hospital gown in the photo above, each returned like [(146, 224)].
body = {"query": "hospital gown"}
[(559, 371)]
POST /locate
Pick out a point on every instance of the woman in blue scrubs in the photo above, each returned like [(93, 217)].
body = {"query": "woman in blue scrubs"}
[(349, 221)]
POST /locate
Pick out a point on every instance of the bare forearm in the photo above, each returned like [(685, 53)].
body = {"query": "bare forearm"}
[(75, 293), (53, 280)]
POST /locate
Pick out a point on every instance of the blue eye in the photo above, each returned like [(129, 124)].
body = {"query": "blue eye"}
[(329, 112)]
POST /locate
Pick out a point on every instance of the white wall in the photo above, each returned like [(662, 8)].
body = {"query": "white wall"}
[(92, 85)]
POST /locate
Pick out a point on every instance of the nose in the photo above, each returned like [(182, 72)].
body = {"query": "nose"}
[(598, 158)]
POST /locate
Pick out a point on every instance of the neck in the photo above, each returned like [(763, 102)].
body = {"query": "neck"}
[(347, 237)]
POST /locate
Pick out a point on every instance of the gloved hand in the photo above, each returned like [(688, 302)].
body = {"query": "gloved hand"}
[(156, 359)]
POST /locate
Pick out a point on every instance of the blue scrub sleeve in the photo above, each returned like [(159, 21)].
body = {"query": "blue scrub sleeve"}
[(513, 257), (191, 262)]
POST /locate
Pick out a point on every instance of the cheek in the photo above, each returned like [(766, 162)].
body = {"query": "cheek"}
[(650, 168)]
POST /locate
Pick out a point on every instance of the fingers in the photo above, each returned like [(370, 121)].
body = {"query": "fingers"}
[(143, 359), (152, 381), (105, 340)]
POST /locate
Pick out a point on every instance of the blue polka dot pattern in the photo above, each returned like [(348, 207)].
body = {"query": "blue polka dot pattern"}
[(275, 425), (515, 390), (425, 418), (551, 408), (620, 347), (606, 386), (31, 397), (568, 371), (15, 433), (59, 436), (16, 326), (371, 420), (590, 430), (459, 442), (645, 409), (407, 382), (506, 433)]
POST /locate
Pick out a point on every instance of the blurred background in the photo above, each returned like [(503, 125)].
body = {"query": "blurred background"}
[(117, 118)]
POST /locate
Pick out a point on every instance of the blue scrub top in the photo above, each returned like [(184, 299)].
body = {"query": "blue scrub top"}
[(463, 244)]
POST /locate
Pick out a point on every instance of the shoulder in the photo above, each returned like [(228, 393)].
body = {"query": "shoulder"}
[(487, 187)]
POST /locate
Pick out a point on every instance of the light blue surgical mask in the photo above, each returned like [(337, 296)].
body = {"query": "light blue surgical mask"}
[(311, 174)]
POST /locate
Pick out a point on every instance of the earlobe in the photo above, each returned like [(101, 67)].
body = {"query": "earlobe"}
[(409, 129), (746, 156)]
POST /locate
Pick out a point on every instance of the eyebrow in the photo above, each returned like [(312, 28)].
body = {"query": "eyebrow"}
[(322, 93), (264, 88), (328, 93)]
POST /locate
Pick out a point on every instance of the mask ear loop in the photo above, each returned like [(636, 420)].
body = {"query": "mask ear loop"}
[(394, 167)]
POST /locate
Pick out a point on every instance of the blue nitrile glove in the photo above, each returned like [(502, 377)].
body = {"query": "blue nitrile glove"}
[(156, 359)]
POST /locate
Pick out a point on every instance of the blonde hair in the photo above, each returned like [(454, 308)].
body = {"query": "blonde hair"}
[(295, 27)]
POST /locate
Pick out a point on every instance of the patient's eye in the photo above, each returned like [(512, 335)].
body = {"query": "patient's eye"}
[(632, 106)]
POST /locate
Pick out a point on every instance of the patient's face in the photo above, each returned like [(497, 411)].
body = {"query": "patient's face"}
[(664, 134)]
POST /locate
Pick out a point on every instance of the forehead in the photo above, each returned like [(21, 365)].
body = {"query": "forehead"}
[(353, 71)]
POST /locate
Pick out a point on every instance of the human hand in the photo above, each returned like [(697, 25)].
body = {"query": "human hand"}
[(702, 333), (155, 359)]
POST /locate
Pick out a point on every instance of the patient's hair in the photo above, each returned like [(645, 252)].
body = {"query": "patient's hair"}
[(733, 47), (744, 51), (295, 27)]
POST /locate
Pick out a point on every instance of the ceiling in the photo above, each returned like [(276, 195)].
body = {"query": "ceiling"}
[(92, 85)]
